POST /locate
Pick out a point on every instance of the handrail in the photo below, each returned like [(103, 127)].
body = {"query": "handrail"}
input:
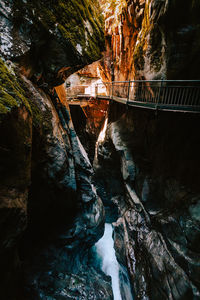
[(153, 80), (156, 94)]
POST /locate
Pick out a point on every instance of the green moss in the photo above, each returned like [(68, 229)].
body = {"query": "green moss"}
[(14, 92), (140, 48), (151, 46), (40, 118), (37, 114), (7, 101), (3, 109), (72, 27), (11, 93), (138, 57), (156, 58), (69, 18), (15, 130)]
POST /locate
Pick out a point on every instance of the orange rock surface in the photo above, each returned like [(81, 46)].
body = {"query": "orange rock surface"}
[(95, 113)]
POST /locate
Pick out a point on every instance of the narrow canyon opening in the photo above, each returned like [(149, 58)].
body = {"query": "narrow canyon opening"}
[(90, 120)]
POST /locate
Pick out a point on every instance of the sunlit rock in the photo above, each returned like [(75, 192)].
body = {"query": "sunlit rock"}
[(150, 40)]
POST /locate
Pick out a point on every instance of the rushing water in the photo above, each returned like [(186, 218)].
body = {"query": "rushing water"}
[(105, 249), (100, 140)]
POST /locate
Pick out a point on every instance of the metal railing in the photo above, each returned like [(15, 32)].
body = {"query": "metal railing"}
[(77, 90), (155, 93)]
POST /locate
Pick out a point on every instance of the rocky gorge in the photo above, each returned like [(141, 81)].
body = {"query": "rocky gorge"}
[(66, 170)]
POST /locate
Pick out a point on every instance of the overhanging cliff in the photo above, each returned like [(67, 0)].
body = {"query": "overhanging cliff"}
[(51, 39)]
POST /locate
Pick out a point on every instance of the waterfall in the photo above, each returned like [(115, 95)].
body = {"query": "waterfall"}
[(105, 250), (100, 140), (103, 132)]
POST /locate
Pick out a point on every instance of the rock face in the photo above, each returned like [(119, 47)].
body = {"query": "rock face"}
[(154, 186), (51, 39), (46, 177), (146, 168), (151, 40), (88, 121), (15, 174), (158, 199), (63, 207), (123, 21), (64, 210)]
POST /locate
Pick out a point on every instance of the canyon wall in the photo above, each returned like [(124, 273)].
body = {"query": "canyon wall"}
[(49, 206), (151, 39), (51, 39), (148, 168), (148, 163)]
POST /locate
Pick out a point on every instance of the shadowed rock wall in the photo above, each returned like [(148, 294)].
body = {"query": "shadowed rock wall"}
[(157, 157), (45, 185), (51, 39)]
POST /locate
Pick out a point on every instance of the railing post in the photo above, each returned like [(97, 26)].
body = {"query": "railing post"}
[(112, 91), (161, 86), (128, 94)]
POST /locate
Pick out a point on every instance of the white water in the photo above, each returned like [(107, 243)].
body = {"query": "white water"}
[(110, 266), (100, 140), (102, 134)]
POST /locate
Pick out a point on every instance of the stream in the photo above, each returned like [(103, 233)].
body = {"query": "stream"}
[(105, 250), (103, 253)]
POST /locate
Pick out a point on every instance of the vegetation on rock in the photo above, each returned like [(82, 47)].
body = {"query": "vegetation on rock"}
[(11, 93), (75, 22)]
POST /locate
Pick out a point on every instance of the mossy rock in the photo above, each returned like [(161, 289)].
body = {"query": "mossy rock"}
[(15, 93), (138, 57), (140, 49), (149, 43), (78, 22), (155, 53), (11, 93)]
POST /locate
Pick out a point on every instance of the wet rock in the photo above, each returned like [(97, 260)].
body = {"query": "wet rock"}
[(156, 235), (88, 284), (45, 173), (15, 171), (61, 191)]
